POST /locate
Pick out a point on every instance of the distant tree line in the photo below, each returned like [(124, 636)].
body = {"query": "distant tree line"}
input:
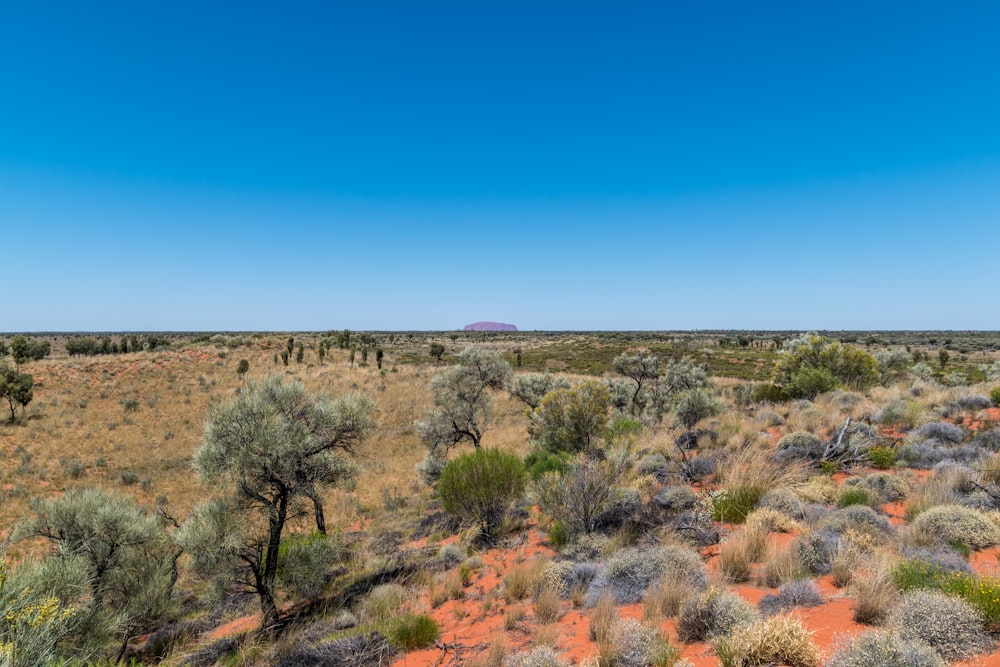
[(89, 346)]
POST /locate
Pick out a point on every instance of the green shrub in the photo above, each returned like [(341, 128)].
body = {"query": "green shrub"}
[(733, 506), (770, 393), (481, 486), (882, 457), (857, 496), (983, 593), (694, 405), (885, 650), (995, 396), (811, 382), (383, 603), (412, 631), (954, 523), (539, 462), (950, 626)]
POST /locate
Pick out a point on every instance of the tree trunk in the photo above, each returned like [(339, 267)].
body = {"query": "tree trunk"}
[(265, 581), (318, 511)]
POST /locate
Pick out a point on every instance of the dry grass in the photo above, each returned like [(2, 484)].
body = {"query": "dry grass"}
[(781, 566), (524, 579), (665, 597), (739, 553), (874, 593), (547, 605), (780, 640)]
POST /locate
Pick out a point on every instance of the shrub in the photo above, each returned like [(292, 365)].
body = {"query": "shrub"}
[(634, 645), (983, 593), (948, 625), (546, 606), (481, 486), (676, 499), (859, 518), (784, 501), (577, 497), (651, 463), (800, 446), (954, 523), (304, 562), (539, 462), (882, 457), (734, 506), (572, 420), (770, 393), (995, 396), (630, 572), (885, 649), (888, 488), (713, 614), (541, 656), (942, 431), (816, 549), (412, 631), (694, 405), (771, 521), (781, 640), (857, 496), (790, 595), (811, 382)]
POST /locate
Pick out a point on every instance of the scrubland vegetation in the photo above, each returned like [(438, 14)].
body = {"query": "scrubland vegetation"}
[(623, 499)]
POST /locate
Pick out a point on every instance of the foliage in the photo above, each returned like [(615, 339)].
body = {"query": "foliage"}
[(24, 350), (714, 613), (950, 626), (882, 457), (793, 594), (480, 486), (888, 488), (16, 388), (884, 649), (40, 611), (995, 396), (628, 573), (530, 388), (642, 369), (983, 593), (577, 496), (539, 462), (462, 405), (770, 393), (572, 420), (954, 523), (273, 445), (857, 496), (808, 363), (694, 405), (128, 559), (304, 561), (941, 431), (780, 640), (733, 506), (412, 631)]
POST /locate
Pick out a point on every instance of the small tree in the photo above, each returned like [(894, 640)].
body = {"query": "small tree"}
[(16, 388), (126, 555), (943, 357), (271, 447), (24, 350), (284, 357), (572, 420), (643, 370), (321, 351), (379, 354), (531, 388), (242, 368), (4, 350), (300, 353), (462, 405), (481, 486), (437, 351), (352, 355)]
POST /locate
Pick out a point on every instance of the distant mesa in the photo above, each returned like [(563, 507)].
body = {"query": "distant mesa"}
[(490, 326)]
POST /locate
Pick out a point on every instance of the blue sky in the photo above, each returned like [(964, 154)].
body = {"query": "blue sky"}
[(654, 165)]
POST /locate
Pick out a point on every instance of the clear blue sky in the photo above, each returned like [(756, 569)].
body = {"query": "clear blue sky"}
[(410, 165)]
